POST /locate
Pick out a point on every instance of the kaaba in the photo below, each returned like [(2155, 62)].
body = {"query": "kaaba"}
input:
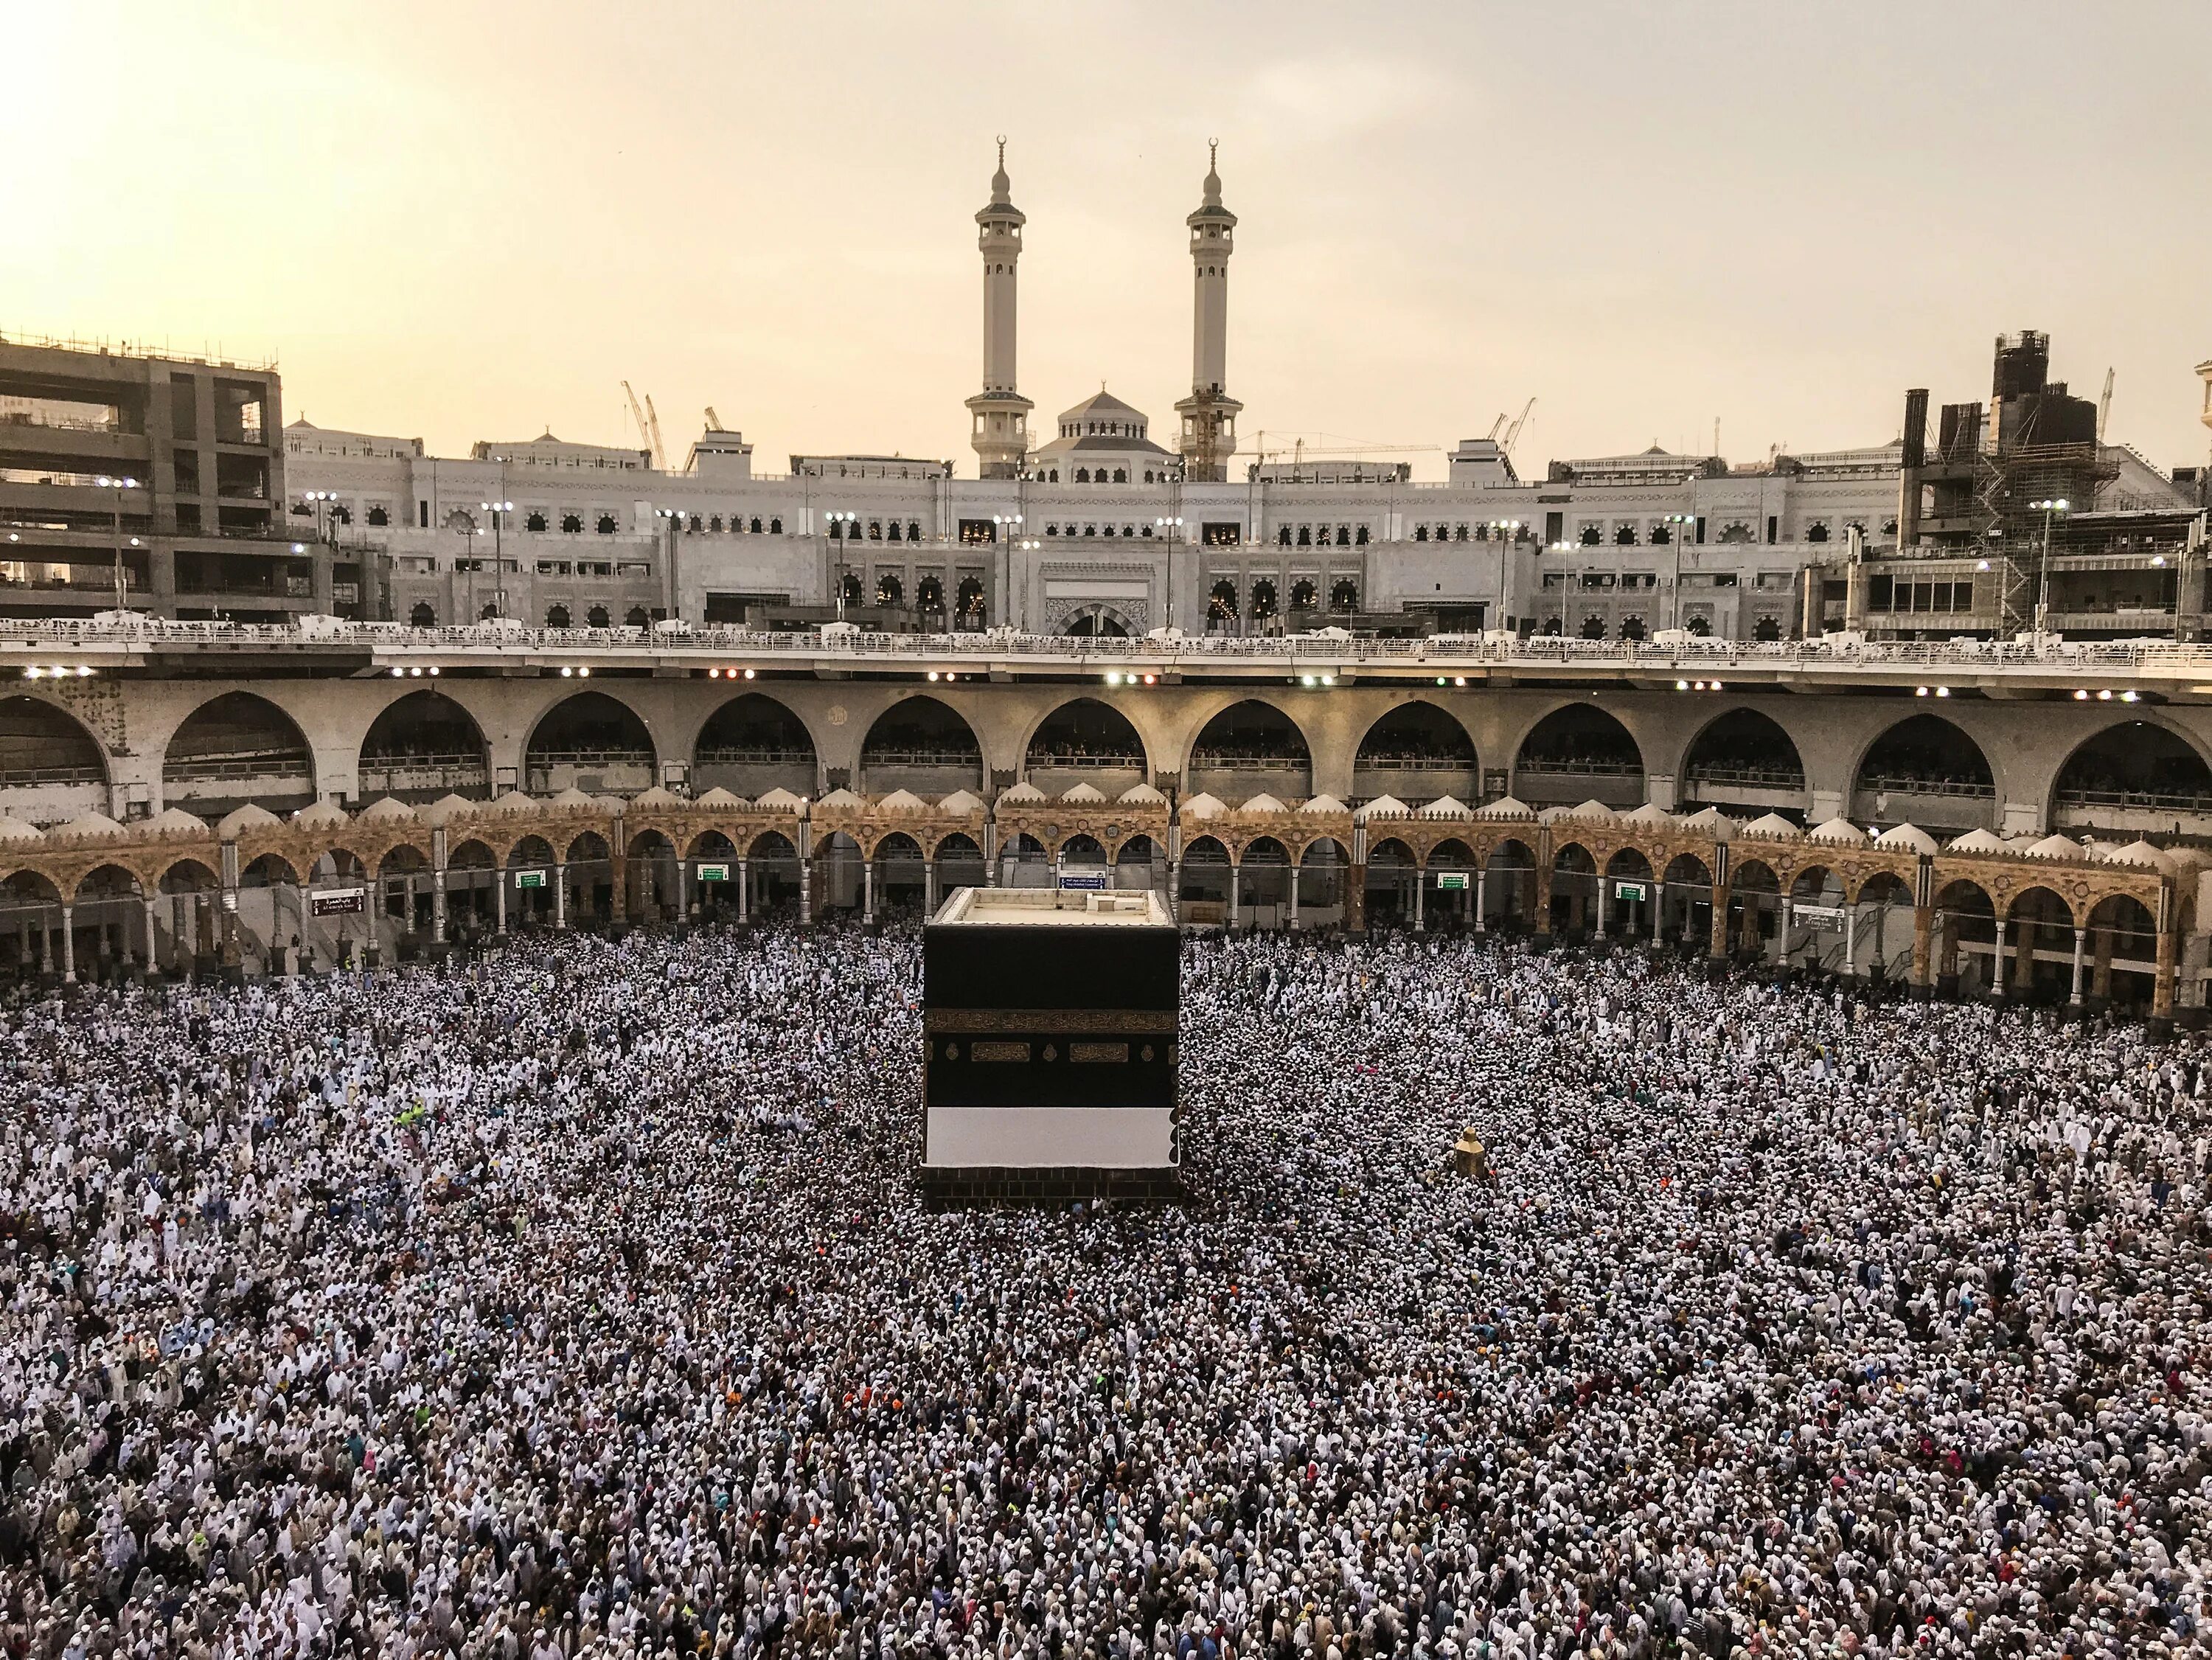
[(1051, 1018)]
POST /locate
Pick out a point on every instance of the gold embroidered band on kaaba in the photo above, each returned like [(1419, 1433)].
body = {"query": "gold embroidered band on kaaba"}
[(1116, 1023)]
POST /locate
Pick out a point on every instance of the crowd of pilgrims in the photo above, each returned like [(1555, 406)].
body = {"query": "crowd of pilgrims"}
[(580, 1299)]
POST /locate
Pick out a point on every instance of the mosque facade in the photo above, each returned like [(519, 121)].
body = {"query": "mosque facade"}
[(1094, 524)]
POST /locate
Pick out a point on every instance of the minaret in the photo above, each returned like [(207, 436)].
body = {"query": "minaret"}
[(998, 416), (1209, 414)]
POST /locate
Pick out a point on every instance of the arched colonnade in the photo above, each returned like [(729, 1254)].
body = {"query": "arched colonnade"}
[(394, 874), (208, 745)]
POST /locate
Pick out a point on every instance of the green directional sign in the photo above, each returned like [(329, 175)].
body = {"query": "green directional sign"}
[(713, 873), (1631, 891), (530, 878), (1451, 881)]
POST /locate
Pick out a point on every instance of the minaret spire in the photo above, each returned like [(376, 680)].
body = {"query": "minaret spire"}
[(999, 414), (1209, 414)]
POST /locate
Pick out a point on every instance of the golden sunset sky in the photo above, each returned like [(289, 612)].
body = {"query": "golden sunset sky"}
[(466, 220)]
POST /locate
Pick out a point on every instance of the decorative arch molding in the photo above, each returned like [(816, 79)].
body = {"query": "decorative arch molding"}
[(1417, 700), (689, 727), (88, 715), (1950, 716), (1066, 617), (1679, 757), (1516, 737), (1034, 723), (2148, 714), (1200, 714)]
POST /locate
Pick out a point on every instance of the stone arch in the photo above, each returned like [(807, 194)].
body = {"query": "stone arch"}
[(2133, 777), (1966, 931), (1686, 901), (2040, 921), (30, 918), (590, 741), (2122, 932), (1578, 752), (1247, 747), (52, 769), (1743, 757), (1090, 741), (1509, 885), (1882, 904), (267, 870), (960, 862), (1394, 872), (754, 742), (771, 844), (711, 843), (1100, 622), (1203, 878), (1263, 881), (1928, 771), (473, 879), (902, 871), (921, 744), (1418, 751), (235, 748), (423, 746)]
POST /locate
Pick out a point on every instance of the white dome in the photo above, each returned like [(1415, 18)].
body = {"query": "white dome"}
[(2057, 847), (720, 797), (903, 801), (1015, 795), (1202, 805), (442, 810), (1910, 837), (1649, 813), (90, 824), (1506, 807), (1319, 804), (1263, 803), (1084, 795), (238, 820), (175, 820), (14, 830), (658, 796), (1774, 827), (962, 801), (1841, 831), (1444, 806), (843, 799), (1979, 840), (1141, 795), (1382, 806), (780, 799), (2142, 853)]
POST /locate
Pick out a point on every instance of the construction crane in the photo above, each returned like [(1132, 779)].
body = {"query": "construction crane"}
[(2105, 405), (714, 421), (1513, 433), (647, 428), (1298, 452), (653, 420)]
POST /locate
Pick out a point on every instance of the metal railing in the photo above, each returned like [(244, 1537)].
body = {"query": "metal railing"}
[(2135, 800), (1535, 763), (1761, 778), (1709, 657), (1880, 785)]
